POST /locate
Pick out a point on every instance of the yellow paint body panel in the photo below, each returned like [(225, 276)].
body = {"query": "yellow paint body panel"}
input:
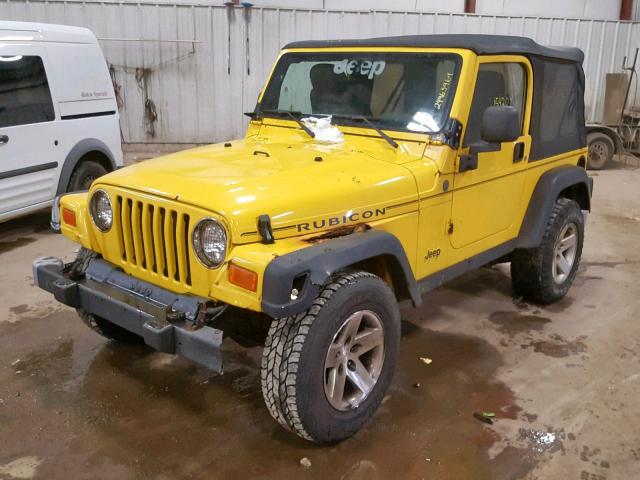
[(414, 192)]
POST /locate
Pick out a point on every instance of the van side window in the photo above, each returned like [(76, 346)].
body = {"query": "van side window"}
[(497, 84), (24, 91)]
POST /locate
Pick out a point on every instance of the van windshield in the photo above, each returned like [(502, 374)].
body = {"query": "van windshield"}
[(397, 91)]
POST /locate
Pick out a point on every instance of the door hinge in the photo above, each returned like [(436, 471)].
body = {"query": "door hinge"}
[(450, 230)]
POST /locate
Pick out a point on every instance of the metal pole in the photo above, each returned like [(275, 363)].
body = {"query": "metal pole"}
[(633, 72)]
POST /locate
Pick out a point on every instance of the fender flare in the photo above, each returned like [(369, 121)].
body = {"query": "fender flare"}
[(77, 152), (548, 189), (315, 264)]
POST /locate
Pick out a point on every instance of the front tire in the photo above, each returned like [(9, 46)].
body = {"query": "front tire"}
[(544, 274), (326, 370), (85, 173)]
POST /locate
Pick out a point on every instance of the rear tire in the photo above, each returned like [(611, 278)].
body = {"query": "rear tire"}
[(109, 330), (313, 361), (544, 274), (601, 150), (85, 173)]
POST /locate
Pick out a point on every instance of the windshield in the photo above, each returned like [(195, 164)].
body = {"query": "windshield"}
[(399, 91)]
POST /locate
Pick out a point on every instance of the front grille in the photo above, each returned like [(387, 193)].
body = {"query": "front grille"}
[(153, 238)]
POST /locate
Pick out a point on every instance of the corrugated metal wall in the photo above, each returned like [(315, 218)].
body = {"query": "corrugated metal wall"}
[(200, 67)]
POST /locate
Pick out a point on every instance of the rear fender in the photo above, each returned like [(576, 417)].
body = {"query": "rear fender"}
[(567, 181)]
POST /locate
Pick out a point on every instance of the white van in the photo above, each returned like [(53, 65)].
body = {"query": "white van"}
[(59, 123)]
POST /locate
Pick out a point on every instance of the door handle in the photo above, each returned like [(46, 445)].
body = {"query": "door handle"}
[(518, 152), (4, 139)]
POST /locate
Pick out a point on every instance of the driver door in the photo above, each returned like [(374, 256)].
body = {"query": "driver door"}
[(487, 196)]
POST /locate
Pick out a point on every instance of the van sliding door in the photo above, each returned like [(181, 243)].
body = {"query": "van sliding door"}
[(29, 166)]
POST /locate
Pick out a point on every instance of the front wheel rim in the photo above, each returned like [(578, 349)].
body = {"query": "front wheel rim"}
[(354, 360), (565, 253)]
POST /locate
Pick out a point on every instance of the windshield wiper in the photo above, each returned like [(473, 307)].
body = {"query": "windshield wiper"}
[(295, 116), (389, 140), (372, 125)]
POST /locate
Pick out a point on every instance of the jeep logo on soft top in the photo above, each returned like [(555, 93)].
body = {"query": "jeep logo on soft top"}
[(363, 67)]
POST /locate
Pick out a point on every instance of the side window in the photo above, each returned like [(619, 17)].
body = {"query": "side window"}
[(560, 112), (24, 91), (497, 84)]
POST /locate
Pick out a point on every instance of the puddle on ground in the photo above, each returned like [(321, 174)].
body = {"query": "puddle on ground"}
[(581, 279), (9, 245), (16, 233), (622, 219), (19, 309), (557, 346), (481, 281), (33, 223), (513, 323), (92, 408), (588, 265), (560, 306), (543, 440)]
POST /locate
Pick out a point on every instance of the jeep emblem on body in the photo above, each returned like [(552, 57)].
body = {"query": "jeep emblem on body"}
[(432, 254)]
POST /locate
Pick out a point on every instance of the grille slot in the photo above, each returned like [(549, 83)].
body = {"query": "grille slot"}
[(154, 239)]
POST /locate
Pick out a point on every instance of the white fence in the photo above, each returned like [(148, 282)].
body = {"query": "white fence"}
[(188, 72)]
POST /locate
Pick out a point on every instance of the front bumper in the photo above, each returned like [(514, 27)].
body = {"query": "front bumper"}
[(168, 322)]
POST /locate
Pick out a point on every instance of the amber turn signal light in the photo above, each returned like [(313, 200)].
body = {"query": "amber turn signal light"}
[(243, 277), (69, 217)]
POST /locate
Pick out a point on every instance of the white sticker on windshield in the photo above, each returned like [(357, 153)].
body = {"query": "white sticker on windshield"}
[(444, 90), (364, 67)]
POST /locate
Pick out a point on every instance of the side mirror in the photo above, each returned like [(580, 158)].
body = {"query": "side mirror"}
[(500, 124)]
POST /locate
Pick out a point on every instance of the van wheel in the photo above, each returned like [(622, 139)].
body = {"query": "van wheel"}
[(544, 274), (84, 175), (601, 150), (109, 330), (326, 370)]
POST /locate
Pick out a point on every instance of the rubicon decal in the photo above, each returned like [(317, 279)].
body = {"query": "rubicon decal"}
[(349, 217)]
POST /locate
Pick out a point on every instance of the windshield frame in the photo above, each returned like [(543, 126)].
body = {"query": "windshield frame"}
[(356, 122)]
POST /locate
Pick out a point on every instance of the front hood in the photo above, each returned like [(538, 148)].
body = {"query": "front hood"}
[(303, 187)]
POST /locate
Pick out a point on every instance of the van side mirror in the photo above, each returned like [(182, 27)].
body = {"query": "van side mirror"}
[(499, 124)]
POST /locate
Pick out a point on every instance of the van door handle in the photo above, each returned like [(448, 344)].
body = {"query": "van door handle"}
[(4, 139)]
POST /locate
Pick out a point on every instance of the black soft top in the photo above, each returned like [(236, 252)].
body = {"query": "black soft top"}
[(480, 44)]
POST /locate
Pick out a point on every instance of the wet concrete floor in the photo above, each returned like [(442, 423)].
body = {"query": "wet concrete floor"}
[(562, 381)]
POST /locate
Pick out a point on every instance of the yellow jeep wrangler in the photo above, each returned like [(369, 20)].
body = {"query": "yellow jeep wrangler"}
[(372, 171)]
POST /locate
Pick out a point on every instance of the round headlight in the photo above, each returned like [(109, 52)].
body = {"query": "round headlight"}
[(101, 211), (210, 242)]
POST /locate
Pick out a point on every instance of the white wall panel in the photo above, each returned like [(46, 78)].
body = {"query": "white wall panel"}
[(592, 9), (201, 66)]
